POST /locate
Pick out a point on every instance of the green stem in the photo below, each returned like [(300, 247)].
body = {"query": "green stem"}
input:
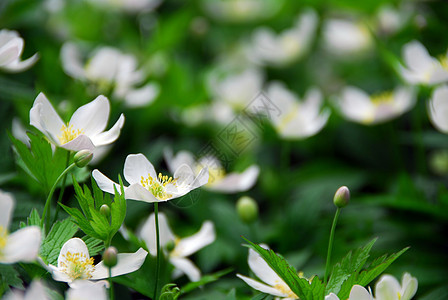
[(61, 193), (156, 213), (46, 213), (330, 244), (111, 286)]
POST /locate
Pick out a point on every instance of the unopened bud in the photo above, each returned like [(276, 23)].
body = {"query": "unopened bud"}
[(247, 209), (105, 210), (82, 158), (170, 246), (110, 257), (341, 197), (439, 162)]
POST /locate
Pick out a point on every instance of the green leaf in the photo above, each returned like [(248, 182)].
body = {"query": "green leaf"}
[(34, 218), (100, 224), (117, 211), (94, 245), (81, 221), (9, 277), (61, 232), (169, 292), (204, 280), (262, 297)]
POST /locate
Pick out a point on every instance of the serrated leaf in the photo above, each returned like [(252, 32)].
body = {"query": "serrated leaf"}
[(80, 220), (117, 212), (94, 245), (9, 277), (100, 224), (34, 218), (61, 232)]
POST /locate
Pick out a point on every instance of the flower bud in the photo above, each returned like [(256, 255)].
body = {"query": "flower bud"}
[(170, 246), (341, 197), (438, 162), (247, 209), (82, 158), (105, 210), (110, 257)]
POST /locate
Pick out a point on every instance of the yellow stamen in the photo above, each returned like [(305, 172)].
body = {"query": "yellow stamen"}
[(443, 59), (157, 186), (69, 134), (175, 252), (382, 98), (3, 238), (285, 290), (77, 266)]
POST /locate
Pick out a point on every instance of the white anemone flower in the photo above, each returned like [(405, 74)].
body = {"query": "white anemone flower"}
[(20, 246), (85, 129), (271, 283), (131, 6), (180, 248), (269, 48), (421, 68), (75, 264), (297, 119), (389, 288), (36, 290), (86, 290), (109, 68), (218, 180), (11, 48), (358, 106), (356, 293), (146, 186), (438, 108)]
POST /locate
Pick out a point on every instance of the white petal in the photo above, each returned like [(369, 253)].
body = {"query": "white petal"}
[(148, 233), (86, 290), (92, 117), (187, 246), (137, 166), (44, 117), (438, 108), (173, 162), (360, 293), (187, 267), (137, 192), (6, 209), (111, 135), (387, 288), (409, 286), (332, 296), (262, 287), (355, 104), (142, 96), (22, 245), (236, 182), (73, 245), (81, 142), (417, 57), (21, 65), (71, 61), (36, 291), (104, 183), (58, 275), (404, 98), (126, 263), (262, 270), (11, 51)]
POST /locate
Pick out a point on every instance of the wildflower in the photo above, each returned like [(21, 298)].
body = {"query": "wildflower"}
[(438, 108), (421, 68), (358, 106), (131, 6), (241, 10), (297, 119), (11, 48), (85, 129), (218, 180), (177, 248), (36, 290), (357, 293), (20, 246), (75, 263), (146, 185), (389, 288), (86, 290)]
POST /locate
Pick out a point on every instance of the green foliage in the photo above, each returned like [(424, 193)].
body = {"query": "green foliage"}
[(94, 245), (61, 232), (34, 218), (169, 292), (9, 277), (90, 219), (204, 280)]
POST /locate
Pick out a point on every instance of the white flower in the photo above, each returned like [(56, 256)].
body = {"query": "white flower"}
[(272, 283), (358, 106), (390, 19), (86, 290), (297, 119), (20, 246), (85, 129), (357, 293), (422, 68), (146, 186), (109, 68), (388, 288), (132, 6), (183, 247), (11, 48), (75, 263), (218, 180), (438, 108), (345, 37), (36, 290), (268, 48)]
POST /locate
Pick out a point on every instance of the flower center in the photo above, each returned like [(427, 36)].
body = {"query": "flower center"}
[(69, 134), (3, 238), (157, 186), (285, 290), (215, 174), (443, 59), (77, 265), (382, 98)]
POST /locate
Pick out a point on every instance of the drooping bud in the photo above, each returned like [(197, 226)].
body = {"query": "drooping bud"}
[(170, 246), (341, 197), (247, 209), (110, 257), (105, 210), (82, 158)]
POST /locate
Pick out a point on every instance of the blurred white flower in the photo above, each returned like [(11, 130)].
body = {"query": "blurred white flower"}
[(356, 293), (390, 19), (87, 290), (22, 245), (177, 248), (421, 68), (36, 290), (11, 48), (297, 119), (438, 108), (218, 180), (85, 129), (269, 48), (271, 283), (242, 10), (75, 263), (146, 186), (344, 37), (358, 106), (110, 69), (389, 288), (131, 6)]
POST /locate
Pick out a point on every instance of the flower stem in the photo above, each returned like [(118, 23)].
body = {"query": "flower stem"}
[(330, 244), (111, 286), (156, 213), (46, 213), (61, 193)]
